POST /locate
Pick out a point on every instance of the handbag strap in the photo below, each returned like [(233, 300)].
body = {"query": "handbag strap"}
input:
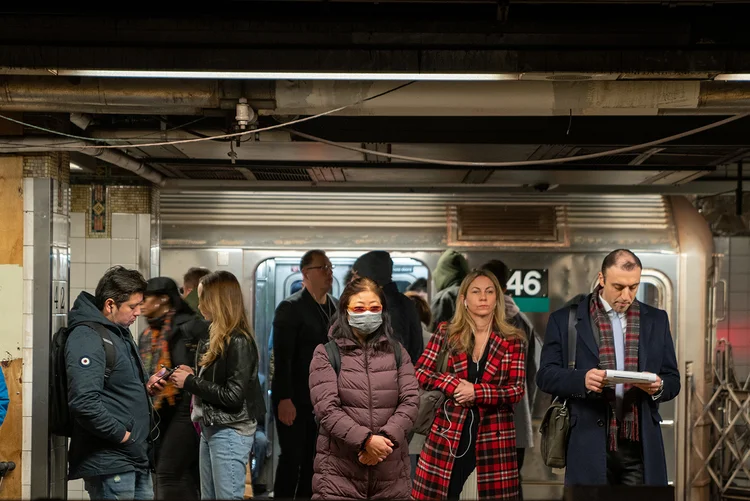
[(572, 336)]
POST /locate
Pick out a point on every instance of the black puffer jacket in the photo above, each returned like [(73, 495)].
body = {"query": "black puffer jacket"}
[(229, 388)]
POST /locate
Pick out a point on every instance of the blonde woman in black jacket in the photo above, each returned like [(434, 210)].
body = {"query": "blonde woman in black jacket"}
[(226, 391)]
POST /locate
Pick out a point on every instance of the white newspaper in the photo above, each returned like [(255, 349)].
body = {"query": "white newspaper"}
[(629, 377)]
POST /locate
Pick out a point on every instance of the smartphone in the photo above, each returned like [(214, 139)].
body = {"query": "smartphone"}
[(166, 374)]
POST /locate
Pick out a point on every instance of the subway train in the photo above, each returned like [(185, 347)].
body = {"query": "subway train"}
[(553, 243)]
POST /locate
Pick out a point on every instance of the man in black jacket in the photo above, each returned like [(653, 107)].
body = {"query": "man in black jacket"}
[(112, 418), (300, 324), (378, 266)]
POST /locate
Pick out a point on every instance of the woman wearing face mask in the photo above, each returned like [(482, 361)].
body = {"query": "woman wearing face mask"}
[(226, 392), (367, 410), (474, 428)]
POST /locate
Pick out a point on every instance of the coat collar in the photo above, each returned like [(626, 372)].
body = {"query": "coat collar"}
[(586, 333), (495, 350)]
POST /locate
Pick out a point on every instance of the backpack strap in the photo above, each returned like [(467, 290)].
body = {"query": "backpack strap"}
[(396, 351), (572, 336), (109, 346), (334, 355)]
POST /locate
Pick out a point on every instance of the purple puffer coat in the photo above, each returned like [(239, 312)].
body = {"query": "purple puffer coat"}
[(370, 396)]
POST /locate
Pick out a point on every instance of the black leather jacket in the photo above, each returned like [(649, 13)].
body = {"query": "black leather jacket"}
[(229, 388)]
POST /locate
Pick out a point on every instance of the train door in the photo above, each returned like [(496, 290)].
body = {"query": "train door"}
[(277, 278)]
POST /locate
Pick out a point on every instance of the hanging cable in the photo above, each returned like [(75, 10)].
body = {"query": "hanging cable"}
[(199, 139), (523, 163)]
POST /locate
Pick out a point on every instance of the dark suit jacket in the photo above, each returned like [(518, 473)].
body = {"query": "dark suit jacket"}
[(404, 321), (587, 448), (299, 326)]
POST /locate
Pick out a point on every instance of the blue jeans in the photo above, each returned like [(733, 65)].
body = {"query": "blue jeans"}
[(223, 462), (260, 446), (128, 485)]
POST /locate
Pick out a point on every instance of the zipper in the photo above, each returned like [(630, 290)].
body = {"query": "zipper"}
[(151, 410), (369, 393)]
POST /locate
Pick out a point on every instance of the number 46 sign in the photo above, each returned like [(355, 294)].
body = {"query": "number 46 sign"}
[(529, 289)]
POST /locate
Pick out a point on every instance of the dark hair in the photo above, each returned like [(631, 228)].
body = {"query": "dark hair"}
[(309, 257), (615, 258), (341, 328), (419, 285), (500, 270), (348, 276), (118, 284), (423, 309), (193, 277)]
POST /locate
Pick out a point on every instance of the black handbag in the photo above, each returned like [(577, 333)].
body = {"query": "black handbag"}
[(430, 401), (555, 427)]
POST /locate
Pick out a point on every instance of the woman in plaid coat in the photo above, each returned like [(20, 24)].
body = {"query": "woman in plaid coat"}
[(485, 379)]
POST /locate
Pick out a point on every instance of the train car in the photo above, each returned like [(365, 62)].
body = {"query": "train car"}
[(553, 243)]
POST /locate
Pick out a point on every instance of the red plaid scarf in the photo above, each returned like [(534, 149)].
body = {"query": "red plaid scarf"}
[(603, 327)]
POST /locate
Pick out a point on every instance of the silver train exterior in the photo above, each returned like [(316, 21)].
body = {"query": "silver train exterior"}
[(555, 241)]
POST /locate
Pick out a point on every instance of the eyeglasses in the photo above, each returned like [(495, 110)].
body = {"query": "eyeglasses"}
[(325, 267), (362, 309)]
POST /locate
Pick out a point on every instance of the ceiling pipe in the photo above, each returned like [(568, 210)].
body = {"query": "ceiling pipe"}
[(14, 144), (306, 97)]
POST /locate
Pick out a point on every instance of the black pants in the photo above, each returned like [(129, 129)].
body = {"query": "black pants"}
[(521, 454), (625, 465), (295, 469), (177, 474)]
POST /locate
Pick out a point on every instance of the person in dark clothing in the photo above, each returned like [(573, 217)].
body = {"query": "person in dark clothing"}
[(420, 286), (170, 340), (300, 324), (190, 287), (109, 446), (378, 266), (451, 268)]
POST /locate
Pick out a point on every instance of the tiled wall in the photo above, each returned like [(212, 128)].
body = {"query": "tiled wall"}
[(129, 246), (46, 175), (736, 326)]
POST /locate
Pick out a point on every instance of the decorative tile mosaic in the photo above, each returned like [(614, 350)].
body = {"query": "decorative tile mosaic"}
[(98, 202), (99, 221)]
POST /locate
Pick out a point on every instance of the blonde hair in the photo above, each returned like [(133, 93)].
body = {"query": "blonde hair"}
[(221, 296), (462, 327)]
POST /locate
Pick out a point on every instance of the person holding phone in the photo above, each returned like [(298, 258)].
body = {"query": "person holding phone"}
[(170, 340), (226, 391)]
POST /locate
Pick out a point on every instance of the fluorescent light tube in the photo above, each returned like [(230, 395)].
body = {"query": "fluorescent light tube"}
[(269, 75)]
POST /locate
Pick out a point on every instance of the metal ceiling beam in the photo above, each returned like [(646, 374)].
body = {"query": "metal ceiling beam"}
[(196, 163), (692, 188)]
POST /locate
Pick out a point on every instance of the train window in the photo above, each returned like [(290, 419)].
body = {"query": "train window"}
[(402, 285), (296, 286), (654, 289)]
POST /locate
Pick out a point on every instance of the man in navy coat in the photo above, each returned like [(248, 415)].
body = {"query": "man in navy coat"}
[(615, 436)]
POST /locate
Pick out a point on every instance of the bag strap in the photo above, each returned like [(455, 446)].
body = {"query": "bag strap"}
[(396, 352), (109, 346), (334, 355), (572, 336)]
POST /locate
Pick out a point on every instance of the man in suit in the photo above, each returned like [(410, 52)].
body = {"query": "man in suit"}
[(615, 436), (300, 324)]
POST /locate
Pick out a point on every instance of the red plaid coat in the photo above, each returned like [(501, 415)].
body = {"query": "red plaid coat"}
[(501, 387)]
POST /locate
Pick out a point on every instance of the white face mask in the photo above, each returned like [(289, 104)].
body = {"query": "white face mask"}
[(367, 322)]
